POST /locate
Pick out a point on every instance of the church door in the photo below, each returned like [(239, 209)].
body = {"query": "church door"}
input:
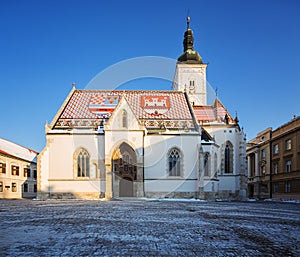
[(126, 187), (124, 166)]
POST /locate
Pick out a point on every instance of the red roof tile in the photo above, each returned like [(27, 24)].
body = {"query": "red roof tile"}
[(87, 108), (216, 112)]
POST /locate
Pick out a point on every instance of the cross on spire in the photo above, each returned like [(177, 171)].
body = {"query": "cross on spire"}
[(188, 20)]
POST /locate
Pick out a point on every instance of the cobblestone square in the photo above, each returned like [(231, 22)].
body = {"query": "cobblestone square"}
[(148, 228)]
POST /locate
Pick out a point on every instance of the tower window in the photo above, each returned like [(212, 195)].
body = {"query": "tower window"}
[(192, 86)]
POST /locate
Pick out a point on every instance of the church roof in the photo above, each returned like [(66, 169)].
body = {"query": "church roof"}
[(15, 150), (153, 109), (215, 112)]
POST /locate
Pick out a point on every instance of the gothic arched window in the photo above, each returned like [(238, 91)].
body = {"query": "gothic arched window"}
[(83, 164), (228, 158), (124, 119), (174, 159), (206, 164), (216, 165)]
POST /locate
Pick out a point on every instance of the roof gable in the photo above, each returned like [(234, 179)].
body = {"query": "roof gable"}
[(116, 120)]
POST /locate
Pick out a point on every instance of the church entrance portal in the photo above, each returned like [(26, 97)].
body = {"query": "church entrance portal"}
[(125, 170)]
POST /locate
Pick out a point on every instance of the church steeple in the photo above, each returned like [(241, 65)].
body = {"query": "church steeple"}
[(190, 74), (190, 55)]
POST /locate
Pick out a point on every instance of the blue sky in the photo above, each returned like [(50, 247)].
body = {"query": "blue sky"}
[(252, 47)]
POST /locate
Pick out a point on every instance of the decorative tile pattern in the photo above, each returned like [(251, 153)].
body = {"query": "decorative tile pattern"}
[(103, 104), (153, 109)]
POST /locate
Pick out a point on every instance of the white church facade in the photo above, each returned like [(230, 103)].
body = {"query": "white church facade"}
[(145, 143)]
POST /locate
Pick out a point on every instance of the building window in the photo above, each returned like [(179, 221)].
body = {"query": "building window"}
[(14, 170), (35, 188), (1, 186), (228, 162), (275, 187), (174, 163), (14, 187), (206, 164), (288, 144), (34, 174), (288, 166), (275, 149), (124, 119), (263, 170), (2, 168), (216, 165), (192, 86), (25, 188), (83, 164), (287, 186), (27, 172), (275, 168), (263, 153)]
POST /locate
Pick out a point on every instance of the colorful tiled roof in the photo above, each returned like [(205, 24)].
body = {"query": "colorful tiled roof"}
[(153, 109), (215, 112), (12, 149)]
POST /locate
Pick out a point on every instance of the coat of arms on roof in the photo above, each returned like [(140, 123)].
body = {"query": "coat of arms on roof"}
[(156, 105), (103, 104)]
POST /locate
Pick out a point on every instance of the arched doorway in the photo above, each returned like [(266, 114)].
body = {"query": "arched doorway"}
[(125, 169)]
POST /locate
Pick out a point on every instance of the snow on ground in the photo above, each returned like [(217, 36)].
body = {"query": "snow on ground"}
[(154, 227)]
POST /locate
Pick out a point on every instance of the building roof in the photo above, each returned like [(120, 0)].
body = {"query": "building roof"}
[(215, 112), (288, 125), (152, 108), (15, 150)]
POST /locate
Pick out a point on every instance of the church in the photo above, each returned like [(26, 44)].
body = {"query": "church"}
[(145, 143)]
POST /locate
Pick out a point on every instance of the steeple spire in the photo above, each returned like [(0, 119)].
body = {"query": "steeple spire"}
[(190, 55)]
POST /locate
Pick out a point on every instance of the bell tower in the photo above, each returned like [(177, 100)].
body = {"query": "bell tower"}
[(190, 74)]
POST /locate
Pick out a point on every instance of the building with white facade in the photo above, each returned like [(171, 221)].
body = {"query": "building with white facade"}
[(18, 171), (139, 143)]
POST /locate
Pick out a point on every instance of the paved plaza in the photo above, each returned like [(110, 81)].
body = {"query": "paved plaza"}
[(148, 228)]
